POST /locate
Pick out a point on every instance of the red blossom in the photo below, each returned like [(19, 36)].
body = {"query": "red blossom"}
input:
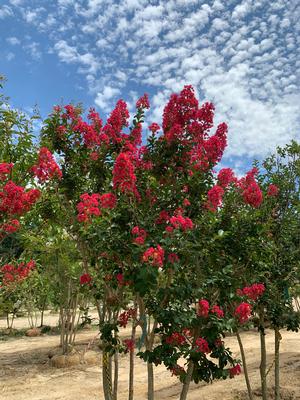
[(124, 177), (173, 258), (143, 102), (46, 167), (5, 169), (243, 312), (177, 370), (12, 274), (226, 177), (214, 198), (88, 206), (203, 308), (154, 256), (218, 311), (108, 200), (15, 201), (129, 344), (11, 226), (116, 121), (273, 190), (201, 345), (254, 291), (236, 370), (175, 339), (85, 279), (154, 127), (180, 222), (141, 235)]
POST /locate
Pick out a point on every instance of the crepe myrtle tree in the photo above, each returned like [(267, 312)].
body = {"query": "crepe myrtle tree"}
[(259, 214), (142, 236), (17, 197)]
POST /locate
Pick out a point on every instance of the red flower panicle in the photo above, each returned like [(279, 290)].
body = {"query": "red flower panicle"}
[(108, 200), (214, 198), (180, 222), (203, 308), (12, 274), (201, 345), (143, 102), (46, 167), (218, 311), (176, 339), (5, 169), (140, 234), (243, 312), (154, 256), (154, 127), (253, 292), (85, 279), (226, 177), (129, 344), (236, 370), (88, 206), (124, 177), (15, 201), (272, 190)]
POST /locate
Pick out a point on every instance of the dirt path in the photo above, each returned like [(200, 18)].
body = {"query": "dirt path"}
[(26, 373)]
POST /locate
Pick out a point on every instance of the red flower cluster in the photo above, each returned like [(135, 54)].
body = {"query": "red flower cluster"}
[(10, 227), (90, 135), (136, 135), (85, 279), (201, 345), (5, 169), (143, 102), (13, 273), (253, 292), (243, 312), (272, 190), (180, 222), (88, 206), (116, 121), (141, 235), (236, 370), (218, 311), (129, 344), (125, 316), (124, 177), (251, 191), (46, 168), (226, 177), (214, 198), (15, 201), (175, 339), (154, 256), (108, 200), (154, 127), (204, 309)]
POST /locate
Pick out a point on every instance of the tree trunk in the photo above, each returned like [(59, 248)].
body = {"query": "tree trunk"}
[(244, 366), (131, 365), (263, 356), (277, 363), (150, 381), (106, 376), (116, 376), (187, 381)]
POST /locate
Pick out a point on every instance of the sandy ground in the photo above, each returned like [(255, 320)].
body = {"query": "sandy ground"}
[(26, 373)]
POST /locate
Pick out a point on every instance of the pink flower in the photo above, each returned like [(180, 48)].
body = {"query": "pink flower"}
[(129, 344), (236, 370), (214, 198), (225, 177), (154, 256), (108, 200), (143, 102)]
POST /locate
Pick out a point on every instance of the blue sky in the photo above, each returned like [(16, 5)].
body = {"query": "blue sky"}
[(242, 55)]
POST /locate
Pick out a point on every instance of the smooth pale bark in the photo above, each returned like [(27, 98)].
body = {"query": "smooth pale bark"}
[(263, 355), (187, 381), (277, 363), (244, 366)]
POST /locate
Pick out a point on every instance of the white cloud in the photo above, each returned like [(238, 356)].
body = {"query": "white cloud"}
[(13, 40), (5, 11), (10, 56), (104, 98)]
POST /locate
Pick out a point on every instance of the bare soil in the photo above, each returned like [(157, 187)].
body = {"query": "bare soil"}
[(26, 371)]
